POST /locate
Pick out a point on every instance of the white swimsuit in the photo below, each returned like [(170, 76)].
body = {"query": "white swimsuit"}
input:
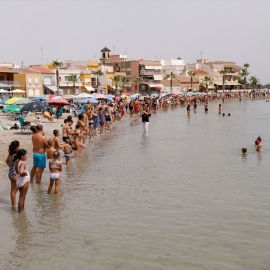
[(21, 180)]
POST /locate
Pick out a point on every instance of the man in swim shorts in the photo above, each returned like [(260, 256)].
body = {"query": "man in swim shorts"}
[(40, 143)]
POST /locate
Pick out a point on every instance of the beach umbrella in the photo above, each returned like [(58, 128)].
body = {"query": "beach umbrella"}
[(85, 100), (68, 96), (39, 99), (124, 96), (17, 91), (21, 102), (118, 98), (83, 95), (127, 94), (35, 106), (100, 96), (11, 108), (56, 97), (60, 102), (4, 100), (154, 95), (109, 96), (134, 96), (51, 96), (2, 91)]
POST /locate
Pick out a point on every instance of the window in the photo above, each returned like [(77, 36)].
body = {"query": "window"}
[(87, 80), (195, 88), (36, 80), (36, 92), (30, 92), (110, 82), (66, 78), (30, 80), (216, 70), (221, 78), (48, 80), (216, 78)]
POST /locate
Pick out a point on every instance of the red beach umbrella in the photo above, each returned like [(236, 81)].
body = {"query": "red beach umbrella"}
[(58, 102), (51, 96)]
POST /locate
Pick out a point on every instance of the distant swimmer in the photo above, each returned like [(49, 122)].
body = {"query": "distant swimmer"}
[(219, 109), (223, 114), (229, 114), (206, 106), (188, 109), (244, 151), (258, 144)]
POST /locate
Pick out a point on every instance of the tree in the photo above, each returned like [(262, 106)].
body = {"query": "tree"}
[(57, 65), (191, 74), (171, 76), (116, 79), (223, 72), (73, 78), (98, 73), (254, 82), (207, 80), (125, 80), (244, 74), (137, 81), (246, 65)]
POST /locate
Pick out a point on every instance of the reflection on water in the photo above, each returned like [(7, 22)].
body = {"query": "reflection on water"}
[(180, 197)]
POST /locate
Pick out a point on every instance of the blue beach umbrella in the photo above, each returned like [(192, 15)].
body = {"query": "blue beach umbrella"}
[(39, 99), (92, 100), (154, 95), (4, 100), (21, 102)]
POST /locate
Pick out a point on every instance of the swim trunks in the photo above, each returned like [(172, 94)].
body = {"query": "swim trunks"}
[(67, 155), (39, 160)]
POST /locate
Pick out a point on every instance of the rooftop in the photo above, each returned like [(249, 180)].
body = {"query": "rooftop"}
[(80, 67), (41, 70), (105, 49), (199, 72), (7, 70)]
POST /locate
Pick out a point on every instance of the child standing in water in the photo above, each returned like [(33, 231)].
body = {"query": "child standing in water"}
[(50, 150), (55, 166), (67, 151), (23, 177)]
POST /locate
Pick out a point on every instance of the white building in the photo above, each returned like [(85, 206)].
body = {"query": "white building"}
[(177, 66)]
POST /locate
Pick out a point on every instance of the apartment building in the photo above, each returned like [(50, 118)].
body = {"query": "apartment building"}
[(176, 66), (7, 72), (213, 69)]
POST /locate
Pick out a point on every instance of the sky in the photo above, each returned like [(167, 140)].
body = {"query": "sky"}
[(231, 30)]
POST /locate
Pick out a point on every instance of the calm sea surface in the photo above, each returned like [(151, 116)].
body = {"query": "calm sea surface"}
[(182, 197)]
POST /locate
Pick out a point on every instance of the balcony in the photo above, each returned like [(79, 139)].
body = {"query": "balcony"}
[(150, 71), (70, 83), (151, 80), (10, 83), (235, 74)]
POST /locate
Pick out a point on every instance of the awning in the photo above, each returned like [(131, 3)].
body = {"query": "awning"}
[(158, 77), (156, 85), (149, 67), (89, 88), (157, 67), (53, 88)]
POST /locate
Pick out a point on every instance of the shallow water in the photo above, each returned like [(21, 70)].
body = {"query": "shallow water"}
[(182, 197)]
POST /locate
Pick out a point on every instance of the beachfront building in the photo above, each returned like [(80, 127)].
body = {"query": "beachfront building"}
[(213, 69), (7, 73), (149, 71), (66, 85), (181, 84), (176, 66), (29, 81), (200, 76), (48, 79)]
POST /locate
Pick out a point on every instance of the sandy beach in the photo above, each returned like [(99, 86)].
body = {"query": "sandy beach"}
[(7, 136)]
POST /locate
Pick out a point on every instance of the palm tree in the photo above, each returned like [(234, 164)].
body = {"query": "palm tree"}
[(57, 65), (98, 73), (125, 80), (137, 81), (191, 74), (73, 78), (171, 76), (207, 80), (253, 81), (116, 79), (246, 65), (223, 72), (244, 74)]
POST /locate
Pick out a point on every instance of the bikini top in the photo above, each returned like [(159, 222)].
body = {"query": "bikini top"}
[(54, 166)]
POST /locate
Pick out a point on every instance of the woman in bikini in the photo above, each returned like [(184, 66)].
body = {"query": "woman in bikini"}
[(12, 151), (23, 177), (108, 119), (77, 141)]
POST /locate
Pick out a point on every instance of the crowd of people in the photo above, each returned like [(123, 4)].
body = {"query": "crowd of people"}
[(93, 121)]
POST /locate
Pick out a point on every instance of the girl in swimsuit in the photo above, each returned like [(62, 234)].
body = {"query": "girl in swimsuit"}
[(23, 177), (55, 166), (102, 120), (77, 141), (13, 149)]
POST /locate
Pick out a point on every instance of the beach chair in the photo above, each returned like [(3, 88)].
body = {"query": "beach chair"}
[(24, 125), (59, 114)]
